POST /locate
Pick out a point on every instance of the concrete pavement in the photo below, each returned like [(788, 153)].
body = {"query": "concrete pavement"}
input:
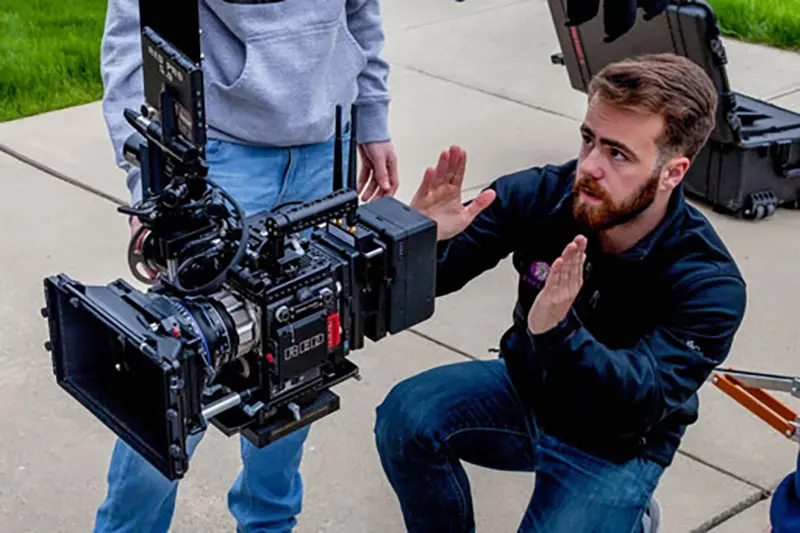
[(477, 74)]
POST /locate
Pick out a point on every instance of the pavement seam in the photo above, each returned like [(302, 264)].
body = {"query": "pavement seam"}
[(723, 471), (444, 345), (787, 92), (731, 512), (485, 91), (477, 187), (58, 175)]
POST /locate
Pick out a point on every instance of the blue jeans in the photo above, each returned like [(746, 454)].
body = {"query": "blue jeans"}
[(470, 412), (267, 495)]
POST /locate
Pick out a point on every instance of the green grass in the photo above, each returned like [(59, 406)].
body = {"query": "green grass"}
[(49, 50), (49, 54), (771, 22)]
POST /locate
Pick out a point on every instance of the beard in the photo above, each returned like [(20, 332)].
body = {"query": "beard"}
[(605, 214)]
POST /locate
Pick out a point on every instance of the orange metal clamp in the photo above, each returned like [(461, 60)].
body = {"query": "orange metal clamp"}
[(747, 388)]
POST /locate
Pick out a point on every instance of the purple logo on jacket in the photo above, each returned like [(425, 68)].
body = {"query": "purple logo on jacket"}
[(537, 273)]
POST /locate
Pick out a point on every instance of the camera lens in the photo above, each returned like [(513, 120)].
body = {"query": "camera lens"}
[(227, 326)]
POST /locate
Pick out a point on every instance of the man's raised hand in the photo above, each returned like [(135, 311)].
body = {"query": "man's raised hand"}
[(563, 283), (439, 195)]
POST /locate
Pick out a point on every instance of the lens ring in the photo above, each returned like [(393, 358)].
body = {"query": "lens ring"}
[(192, 323)]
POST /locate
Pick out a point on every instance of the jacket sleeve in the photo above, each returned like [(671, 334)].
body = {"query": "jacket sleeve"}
[(654, 378), (495, 232), (121, 70), (365, 24)]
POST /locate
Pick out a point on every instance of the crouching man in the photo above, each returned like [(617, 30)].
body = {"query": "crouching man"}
[(627, 300)]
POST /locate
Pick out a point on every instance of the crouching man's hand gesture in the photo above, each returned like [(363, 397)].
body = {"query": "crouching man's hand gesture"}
[(562, 286), (439, 196)]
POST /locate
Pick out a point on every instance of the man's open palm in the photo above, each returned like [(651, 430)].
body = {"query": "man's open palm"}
[(439, 196), (563, 283)]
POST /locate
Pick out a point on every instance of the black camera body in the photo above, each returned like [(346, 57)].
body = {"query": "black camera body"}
[(251, 319)]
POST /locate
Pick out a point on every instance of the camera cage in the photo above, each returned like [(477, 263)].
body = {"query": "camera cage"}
[(379, 259)]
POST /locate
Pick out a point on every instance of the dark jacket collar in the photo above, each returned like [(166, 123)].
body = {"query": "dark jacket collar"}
[(675, 210)]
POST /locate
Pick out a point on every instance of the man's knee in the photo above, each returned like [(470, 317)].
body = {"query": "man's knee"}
[(396, 416), (406, 415), (421, 409)]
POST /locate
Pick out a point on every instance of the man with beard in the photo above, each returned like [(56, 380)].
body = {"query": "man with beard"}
[(627, 301)]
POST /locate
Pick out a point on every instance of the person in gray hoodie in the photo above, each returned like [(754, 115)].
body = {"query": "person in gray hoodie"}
[(274, 74)]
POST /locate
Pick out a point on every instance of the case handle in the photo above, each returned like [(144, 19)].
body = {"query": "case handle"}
[(792, 173), (783, 152)]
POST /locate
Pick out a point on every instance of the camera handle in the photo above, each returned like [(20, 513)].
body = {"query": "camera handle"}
[(340, 206)]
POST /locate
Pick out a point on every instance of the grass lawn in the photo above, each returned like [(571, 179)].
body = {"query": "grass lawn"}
[(49, 54), (772, 22), (49, 51)]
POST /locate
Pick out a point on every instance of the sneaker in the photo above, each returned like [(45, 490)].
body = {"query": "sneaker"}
[(651, 521)]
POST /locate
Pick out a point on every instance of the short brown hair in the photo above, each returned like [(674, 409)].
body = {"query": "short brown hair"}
[(673, 86)]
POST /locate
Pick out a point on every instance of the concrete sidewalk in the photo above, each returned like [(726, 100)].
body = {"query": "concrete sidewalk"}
[(477, 74)]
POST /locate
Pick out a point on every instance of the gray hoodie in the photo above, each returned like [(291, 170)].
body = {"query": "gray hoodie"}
[(273, 72)]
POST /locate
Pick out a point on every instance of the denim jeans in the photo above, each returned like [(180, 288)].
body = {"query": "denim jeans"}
[(266, 497), (470, 412)]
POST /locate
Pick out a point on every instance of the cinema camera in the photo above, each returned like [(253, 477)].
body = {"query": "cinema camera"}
[(251, 319)]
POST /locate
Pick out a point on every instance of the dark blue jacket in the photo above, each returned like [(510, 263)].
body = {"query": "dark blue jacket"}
[(784, 507), (618, 377)]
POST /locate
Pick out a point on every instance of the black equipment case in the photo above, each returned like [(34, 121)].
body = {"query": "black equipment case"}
[(751, 163)]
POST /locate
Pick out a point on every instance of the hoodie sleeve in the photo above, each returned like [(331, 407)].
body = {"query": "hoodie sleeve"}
[(654, 378), (365, 24), (121, 70)]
